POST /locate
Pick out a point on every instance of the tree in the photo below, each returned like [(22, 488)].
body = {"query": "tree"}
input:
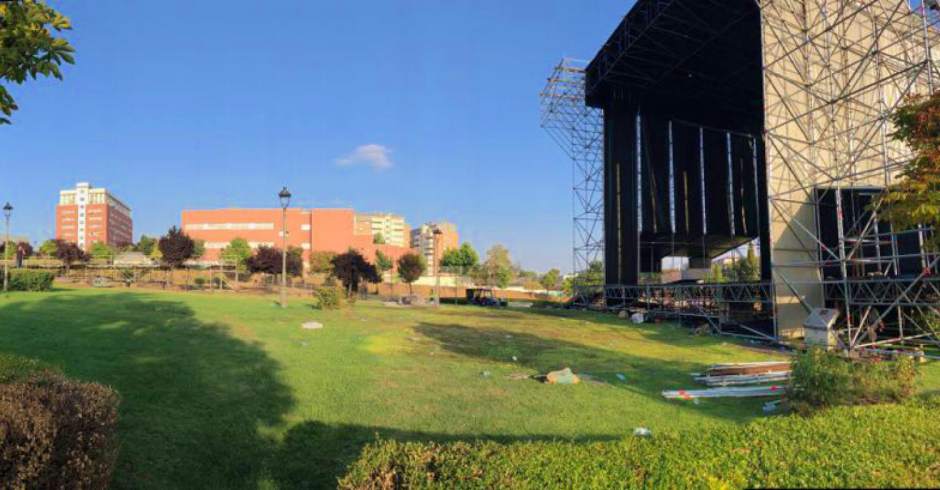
[(915, 199), (322, 262), (28, 46), (145, 245), (351, 268), (21, 249), (102, 251), (382, 262), (591, 277), (69, 253), (48, 248), (717, 274), (410, 267), (497, 270), (269, 260), (199, 249), (378, 239), (461, 260), (748, 269), (176, 247), (24, 250), (551, 279), (237, 251)]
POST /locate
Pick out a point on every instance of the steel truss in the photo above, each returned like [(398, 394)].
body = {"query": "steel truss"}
[(729, 308), (578, 129), (834, 72)]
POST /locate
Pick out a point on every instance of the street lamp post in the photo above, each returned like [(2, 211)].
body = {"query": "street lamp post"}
[(437, 266), (7, 210), (284, 195)]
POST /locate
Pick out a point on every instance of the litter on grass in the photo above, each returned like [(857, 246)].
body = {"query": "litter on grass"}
[(562, 377), (642, 432), (772, 406), (312, 326)]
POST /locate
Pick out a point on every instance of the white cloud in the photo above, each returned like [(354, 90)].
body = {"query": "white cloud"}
[(376, 156)]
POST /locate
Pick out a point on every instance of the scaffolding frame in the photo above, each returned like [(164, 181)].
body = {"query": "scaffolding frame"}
[(578, 130), (834, 72)]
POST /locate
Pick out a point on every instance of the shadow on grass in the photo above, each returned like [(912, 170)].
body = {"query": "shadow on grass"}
[(193, 397), (645, 375)]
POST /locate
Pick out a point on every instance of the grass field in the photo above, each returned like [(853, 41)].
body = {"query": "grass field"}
[(228, 391)]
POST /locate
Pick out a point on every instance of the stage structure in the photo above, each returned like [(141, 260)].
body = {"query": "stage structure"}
[(578, 130), (766, 121)]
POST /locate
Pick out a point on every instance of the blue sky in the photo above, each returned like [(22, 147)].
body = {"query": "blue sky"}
[(427, 109)]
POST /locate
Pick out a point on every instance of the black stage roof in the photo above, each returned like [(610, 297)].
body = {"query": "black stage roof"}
[(706, 51)]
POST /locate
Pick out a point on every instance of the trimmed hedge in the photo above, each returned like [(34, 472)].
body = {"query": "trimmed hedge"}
[(873, 446), (30, 280), (57, 433)]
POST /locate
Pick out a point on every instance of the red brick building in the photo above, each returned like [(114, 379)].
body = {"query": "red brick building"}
[(86, 215), (312, 230)]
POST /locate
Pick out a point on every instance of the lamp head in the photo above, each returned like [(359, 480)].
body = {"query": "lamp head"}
[(284, 195)]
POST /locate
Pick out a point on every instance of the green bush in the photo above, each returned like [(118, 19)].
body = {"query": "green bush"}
[(30, 280), (874, 446), (57, 433), (128, 277), (822, 379), (329, 297), (200, 282)]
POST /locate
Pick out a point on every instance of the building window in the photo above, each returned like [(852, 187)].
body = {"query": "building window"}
[(230, 226)]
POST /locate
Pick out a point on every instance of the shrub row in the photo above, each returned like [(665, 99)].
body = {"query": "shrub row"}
[(30, 280), (876, 446), (823, 379), (56, 432)]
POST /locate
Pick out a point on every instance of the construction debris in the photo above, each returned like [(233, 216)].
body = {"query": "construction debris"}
[(744, 379), (725, 381), (751, 368), (731, 392), (744, 373)]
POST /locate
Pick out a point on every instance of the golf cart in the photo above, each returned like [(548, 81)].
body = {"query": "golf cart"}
[(484, 297)]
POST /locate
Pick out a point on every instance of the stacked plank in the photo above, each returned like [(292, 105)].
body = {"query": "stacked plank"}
[(732, 380), (745, 373)]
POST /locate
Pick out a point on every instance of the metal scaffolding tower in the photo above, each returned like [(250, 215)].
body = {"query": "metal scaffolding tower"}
[(834, 72), (830, 75), (578, 129)]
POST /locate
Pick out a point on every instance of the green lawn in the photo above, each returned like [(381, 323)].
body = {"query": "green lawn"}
[(220, 390)]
